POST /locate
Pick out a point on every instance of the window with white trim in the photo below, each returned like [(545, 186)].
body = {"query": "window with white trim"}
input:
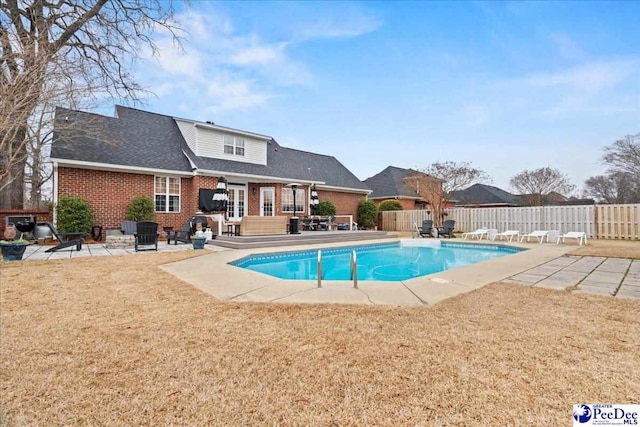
[(287, 200), (167, 194), (233, 145)]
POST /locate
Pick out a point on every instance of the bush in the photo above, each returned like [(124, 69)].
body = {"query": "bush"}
[(141, 208), (74, 215), (326, 208), (390, 205), (367, 214)]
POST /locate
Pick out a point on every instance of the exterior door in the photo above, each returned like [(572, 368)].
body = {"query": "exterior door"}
[(236, 208), (267, 201)]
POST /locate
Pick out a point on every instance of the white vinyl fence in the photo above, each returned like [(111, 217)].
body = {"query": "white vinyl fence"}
[(600, 221)]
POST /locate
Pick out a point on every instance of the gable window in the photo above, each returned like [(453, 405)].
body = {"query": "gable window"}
[(233, 145), (287, 200), (167, 194)]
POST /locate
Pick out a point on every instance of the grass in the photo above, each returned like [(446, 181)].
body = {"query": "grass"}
[(115, 341)]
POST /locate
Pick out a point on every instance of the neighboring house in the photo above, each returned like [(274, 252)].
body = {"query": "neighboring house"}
[(413, 189), (484, 196), (488, 196), (110, 160)]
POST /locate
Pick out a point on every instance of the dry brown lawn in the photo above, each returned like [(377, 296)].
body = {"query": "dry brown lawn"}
[(609, 248), (115, 341)]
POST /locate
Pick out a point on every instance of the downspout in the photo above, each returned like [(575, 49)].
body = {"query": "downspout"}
[(55, 190)]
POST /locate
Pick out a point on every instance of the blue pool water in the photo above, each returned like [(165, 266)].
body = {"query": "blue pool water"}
[(381, 262)]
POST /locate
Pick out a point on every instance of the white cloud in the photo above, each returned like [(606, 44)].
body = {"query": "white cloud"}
[(593, 76), (351, 24), (264, 54), (227, 93), (221, 67)]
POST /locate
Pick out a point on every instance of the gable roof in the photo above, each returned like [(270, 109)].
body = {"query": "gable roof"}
[(141, 139), (390, 183), (148, 141), (482, 194)]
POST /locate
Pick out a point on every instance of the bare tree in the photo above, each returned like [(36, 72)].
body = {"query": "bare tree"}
[(624, 155), (436, 182), (536, 185), (456, 176), (427, 188), (616, 187), (79, 46)]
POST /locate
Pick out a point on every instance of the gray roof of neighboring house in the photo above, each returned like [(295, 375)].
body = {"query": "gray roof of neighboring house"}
[(142, 139), (391, 183), (481, 194)]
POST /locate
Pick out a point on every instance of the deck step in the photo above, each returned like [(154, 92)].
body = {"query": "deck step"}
[(308, 238)]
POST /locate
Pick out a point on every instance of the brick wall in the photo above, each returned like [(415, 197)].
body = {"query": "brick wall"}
[(109, 193), (407, 204), (346, 203)]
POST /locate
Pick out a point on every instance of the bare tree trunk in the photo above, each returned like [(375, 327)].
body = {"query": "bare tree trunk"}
[(12, 184)]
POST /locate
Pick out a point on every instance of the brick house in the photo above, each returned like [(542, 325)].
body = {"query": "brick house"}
[(109, 160), (411, 188)]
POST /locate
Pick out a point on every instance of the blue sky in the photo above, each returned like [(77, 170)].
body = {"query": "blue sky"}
[(506, 86)]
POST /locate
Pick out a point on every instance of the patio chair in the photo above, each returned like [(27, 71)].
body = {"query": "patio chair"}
[(183, 235), (146, 235), (581, 236), (510, 234), (425, 230), (65, 240), (128, 227), (537, 234), (447, 228), (479, 233)]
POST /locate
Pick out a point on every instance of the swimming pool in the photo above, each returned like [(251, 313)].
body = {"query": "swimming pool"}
[(382, 262)]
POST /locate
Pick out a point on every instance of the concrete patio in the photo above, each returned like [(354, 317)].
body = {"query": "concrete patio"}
[(541, 265), (544, 266)]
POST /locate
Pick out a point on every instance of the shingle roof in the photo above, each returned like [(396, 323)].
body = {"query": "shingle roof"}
[(289, 163), (143, 139), (481, 194), (132, 139), (391, 183)]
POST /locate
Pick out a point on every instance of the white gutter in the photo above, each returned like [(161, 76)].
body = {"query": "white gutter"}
[(117, 168), (256, 177), (344, 189)]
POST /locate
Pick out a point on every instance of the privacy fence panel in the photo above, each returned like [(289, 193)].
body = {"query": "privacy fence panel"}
[(614, 221), (618, 221)]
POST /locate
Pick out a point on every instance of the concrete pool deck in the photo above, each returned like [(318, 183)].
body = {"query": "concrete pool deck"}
[(542, 265)]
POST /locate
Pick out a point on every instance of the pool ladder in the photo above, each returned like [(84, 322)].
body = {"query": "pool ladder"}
[(354, 269)]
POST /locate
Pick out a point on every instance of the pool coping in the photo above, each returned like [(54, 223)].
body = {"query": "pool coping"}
[(212, 274)]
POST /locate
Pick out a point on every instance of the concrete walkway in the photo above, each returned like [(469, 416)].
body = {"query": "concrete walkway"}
[(540, 265), (37, 252), (592, 275)]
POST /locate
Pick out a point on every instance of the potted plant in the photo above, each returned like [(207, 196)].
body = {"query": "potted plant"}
[(13, 250), (198, 239)]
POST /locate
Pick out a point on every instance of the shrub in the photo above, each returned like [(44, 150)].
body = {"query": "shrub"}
[(74, 215), (326, 208), (390, 205), (367, 214), (141, 208)]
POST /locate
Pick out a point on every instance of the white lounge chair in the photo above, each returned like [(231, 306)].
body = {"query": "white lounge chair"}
[(580, 235), (510, 234), (538, 234), (478, 233)]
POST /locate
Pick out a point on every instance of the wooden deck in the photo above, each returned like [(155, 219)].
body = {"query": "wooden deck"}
[(304, 238)]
